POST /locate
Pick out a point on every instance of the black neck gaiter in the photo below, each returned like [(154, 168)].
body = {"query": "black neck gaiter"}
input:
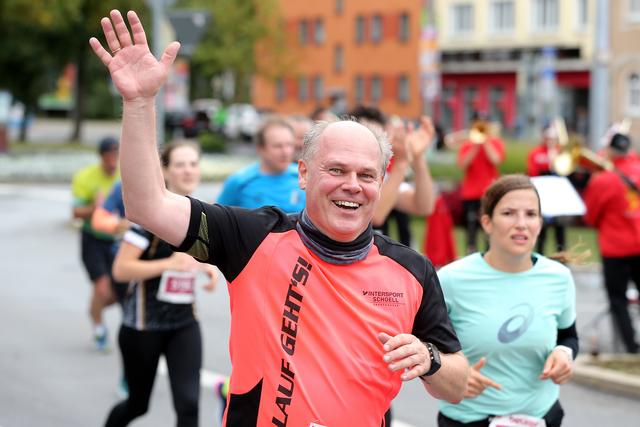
[(329, 250)]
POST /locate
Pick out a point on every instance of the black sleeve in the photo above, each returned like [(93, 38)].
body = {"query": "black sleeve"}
[(432, 323), (569, 338), (228, 236)]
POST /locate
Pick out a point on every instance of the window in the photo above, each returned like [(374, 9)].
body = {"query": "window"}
[(376, 89), (359, 88), (376, 28), (501, 18), (403, 89), (403, 32), (338, 58), (634, 94), (280, 89), (360, 28), (448, 97), (462, 18), (303, 31), (582, 15), (545, 14), (469, 95), (319, 31), (496, 97), (634, 10), (339, 7), (303, 89), (318, 88)]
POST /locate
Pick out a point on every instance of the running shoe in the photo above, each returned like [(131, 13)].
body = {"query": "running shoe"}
[(122, 391), (101, 338), (221, 389)]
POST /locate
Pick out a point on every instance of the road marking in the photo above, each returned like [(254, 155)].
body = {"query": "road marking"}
[(209, 379)]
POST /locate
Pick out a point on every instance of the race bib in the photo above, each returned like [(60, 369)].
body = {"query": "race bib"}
[(517, 420), (177, 287)]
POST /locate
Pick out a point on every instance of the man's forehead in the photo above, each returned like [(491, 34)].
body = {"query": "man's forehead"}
[(341, 139), (278, 133)]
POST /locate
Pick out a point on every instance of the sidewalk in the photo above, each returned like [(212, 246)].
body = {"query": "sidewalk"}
[(48, 167), (59, 166)]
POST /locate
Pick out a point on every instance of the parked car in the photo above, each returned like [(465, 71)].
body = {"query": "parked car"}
[(242, 121), (200, 118)]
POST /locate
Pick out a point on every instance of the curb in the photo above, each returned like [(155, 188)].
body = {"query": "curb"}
[(60, 167), (585, 372)]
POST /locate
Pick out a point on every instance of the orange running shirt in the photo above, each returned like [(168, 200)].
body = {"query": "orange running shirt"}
[(303, 344)]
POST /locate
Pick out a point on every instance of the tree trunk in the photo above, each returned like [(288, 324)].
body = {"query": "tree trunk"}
[(24, 128), (77, 114)]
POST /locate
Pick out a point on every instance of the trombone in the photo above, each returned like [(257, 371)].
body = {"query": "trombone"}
[(572, 153)]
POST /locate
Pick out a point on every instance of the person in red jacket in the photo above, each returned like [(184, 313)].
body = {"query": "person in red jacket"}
[(613, 207), (539, 163), (479, 158)]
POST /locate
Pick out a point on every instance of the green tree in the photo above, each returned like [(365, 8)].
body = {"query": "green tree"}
[(82, 21), (238, 30), (39, 37), (28, 60)]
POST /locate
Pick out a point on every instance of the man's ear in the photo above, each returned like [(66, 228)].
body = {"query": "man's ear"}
[(302, 174)]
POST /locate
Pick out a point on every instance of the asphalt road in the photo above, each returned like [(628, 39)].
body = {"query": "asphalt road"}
[(51, 376)]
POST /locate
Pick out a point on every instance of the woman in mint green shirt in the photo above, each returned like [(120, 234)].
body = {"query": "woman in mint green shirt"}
[(514, 313)]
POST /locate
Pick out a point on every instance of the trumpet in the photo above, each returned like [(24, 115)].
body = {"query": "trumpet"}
[(479, 133), (572, 154)]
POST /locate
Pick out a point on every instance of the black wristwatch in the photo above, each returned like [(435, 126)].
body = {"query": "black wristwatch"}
[(434, 355)]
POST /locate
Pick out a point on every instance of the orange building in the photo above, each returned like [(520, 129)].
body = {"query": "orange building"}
[(365, 51)]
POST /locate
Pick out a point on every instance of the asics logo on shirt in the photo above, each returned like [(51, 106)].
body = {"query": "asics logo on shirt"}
[(516, 325)]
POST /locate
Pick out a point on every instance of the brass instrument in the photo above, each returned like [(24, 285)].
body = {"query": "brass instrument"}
[(573, 154), (479, 133)]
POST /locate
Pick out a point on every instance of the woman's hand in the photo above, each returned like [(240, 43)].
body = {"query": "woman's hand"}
[(420, 139), (477, 382), (558, 367), (212, 272), (134, 70), (180, 261)]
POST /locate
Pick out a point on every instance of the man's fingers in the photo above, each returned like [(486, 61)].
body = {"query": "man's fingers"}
[(398, 353), (408, 362), (412, 373), (398, 341), (139, 36), (110, 34), (383, 338), (169, 54), (100, 51), (121, 28)]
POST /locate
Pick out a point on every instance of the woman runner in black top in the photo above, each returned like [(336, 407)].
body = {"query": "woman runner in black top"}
[(158, 309)]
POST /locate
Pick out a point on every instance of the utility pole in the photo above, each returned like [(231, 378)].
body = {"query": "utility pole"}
[(159, 43), (428, 58), (599, 94)]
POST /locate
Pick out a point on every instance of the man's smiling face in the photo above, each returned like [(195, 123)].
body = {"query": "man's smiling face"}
[(343, 180)]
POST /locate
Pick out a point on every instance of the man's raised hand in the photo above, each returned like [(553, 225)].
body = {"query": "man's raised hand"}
[(135, 72)]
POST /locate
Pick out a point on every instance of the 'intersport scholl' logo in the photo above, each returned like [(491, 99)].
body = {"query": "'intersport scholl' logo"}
[(384, 298), (516, 325)]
